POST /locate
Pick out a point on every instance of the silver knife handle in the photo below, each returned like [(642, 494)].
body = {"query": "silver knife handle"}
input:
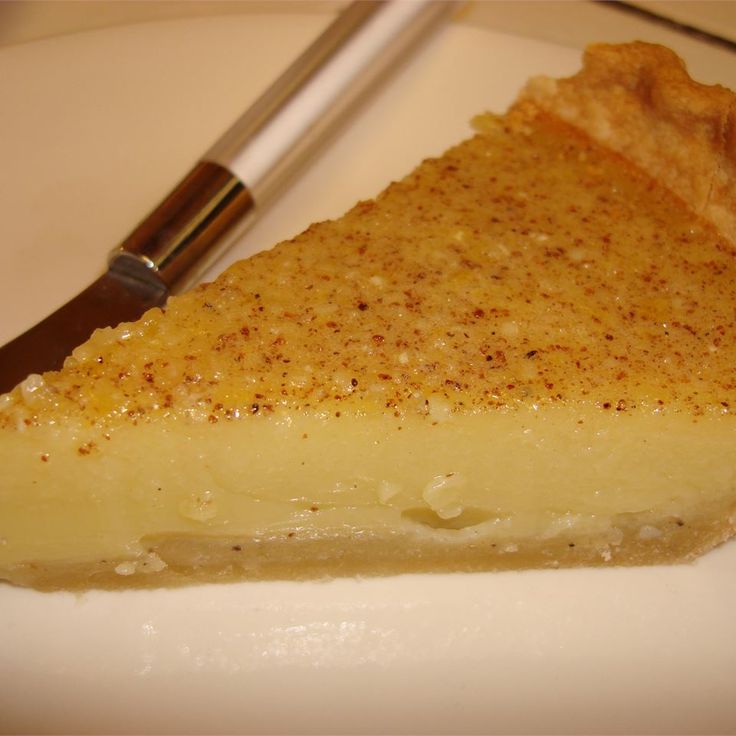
[(208, 211), (283, 127), (181, 238)]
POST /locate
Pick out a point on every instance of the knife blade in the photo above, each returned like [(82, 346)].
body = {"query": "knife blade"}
[(234, 180)]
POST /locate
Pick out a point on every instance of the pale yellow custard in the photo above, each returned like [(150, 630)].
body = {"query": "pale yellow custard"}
[(520, 355)]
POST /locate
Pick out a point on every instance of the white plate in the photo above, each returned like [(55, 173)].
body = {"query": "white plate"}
[(94, 128)]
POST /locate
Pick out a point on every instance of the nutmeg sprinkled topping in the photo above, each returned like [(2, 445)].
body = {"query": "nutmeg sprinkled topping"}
[(522, 267)]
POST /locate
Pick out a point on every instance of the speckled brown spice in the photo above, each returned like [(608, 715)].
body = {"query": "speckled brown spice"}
[(524, 266)]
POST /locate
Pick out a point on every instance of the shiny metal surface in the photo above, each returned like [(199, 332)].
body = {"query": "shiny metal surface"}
[(170, 249), (109, 300), (187, 231), (282, 129), (165, 253)]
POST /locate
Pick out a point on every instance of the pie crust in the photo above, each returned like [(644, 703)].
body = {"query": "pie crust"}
[(638, 100)]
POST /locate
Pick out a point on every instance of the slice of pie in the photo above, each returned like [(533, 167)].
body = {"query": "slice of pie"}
[(521, 355)]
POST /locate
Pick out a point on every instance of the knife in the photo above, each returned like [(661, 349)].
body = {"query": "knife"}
[(242, 172)]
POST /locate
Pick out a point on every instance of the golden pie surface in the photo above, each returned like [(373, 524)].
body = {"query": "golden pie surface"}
[(520, 355)]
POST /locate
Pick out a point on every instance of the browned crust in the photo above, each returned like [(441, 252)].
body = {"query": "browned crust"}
[(638, 100), (196, 560)]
